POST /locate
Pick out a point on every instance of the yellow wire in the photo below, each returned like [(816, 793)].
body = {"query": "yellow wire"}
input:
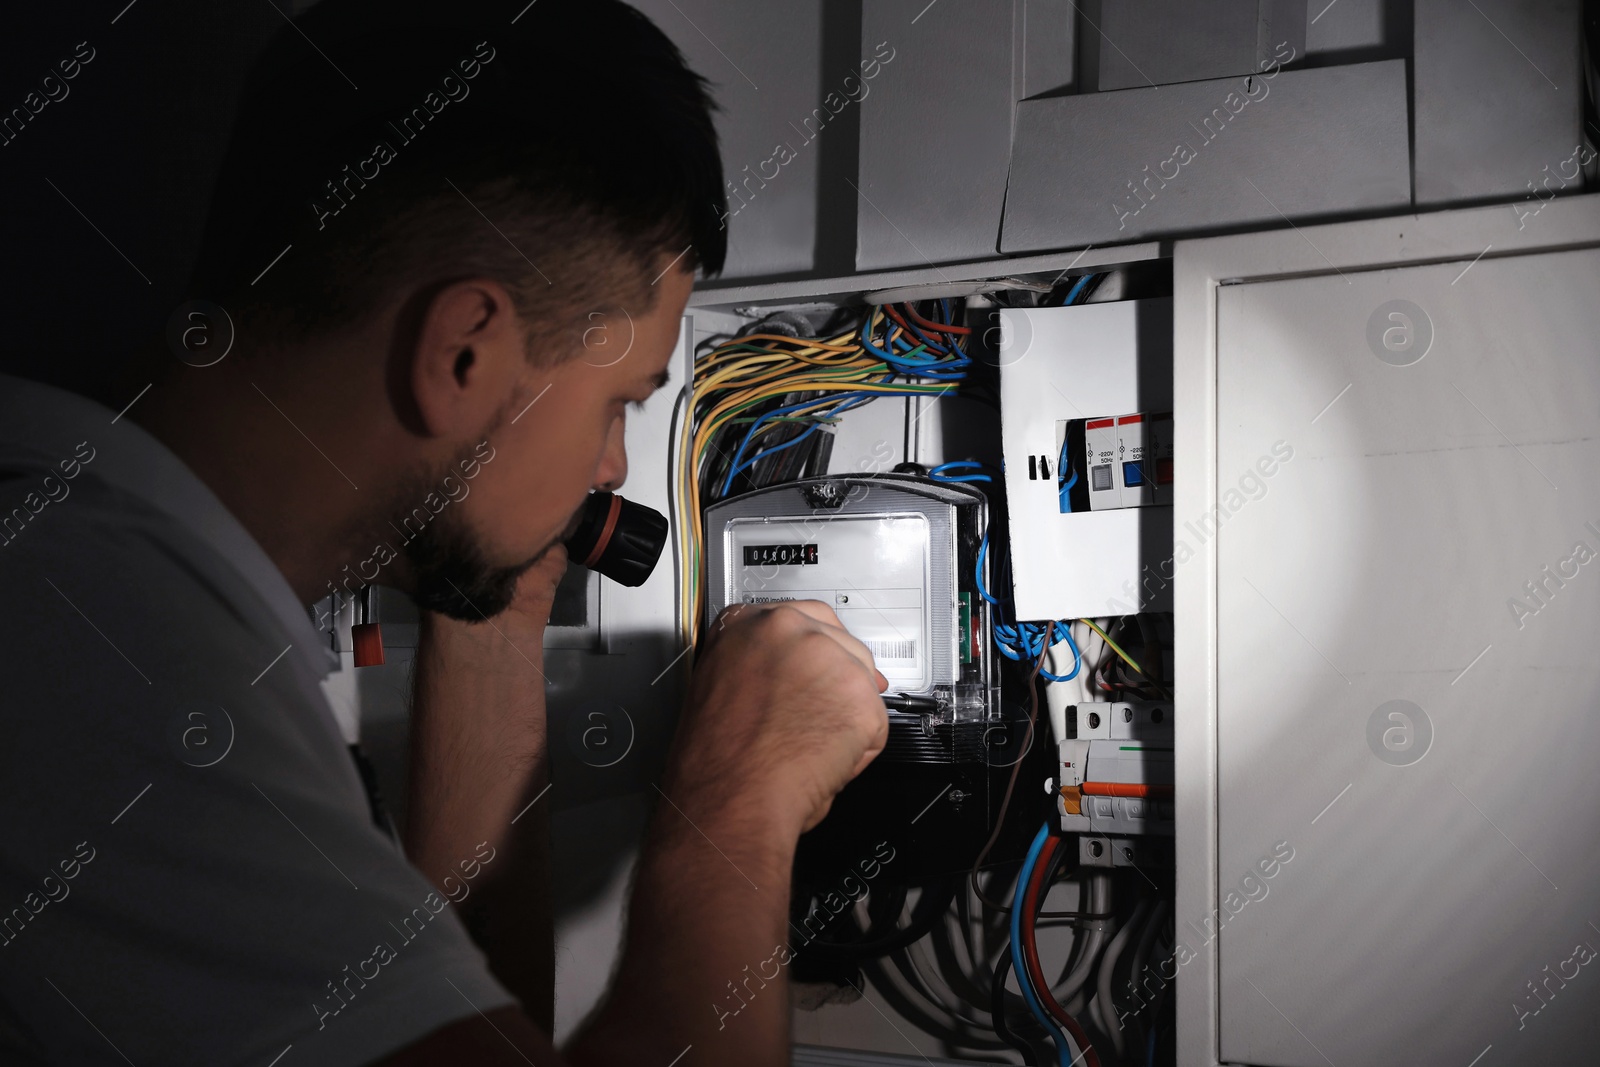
[(830, 366), (752, 390), (1114, 647)]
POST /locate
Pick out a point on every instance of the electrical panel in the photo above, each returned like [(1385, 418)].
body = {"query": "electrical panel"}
[(801, 470)]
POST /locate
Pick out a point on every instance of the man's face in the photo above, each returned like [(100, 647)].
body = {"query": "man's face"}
[(561, 436)]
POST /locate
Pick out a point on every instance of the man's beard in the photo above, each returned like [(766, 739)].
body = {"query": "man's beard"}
[(451, 574), (452, 577)]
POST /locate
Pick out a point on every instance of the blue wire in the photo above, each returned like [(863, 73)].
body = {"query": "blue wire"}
[(983, 552), (941, 472), (758, 457), (919, 364), (1025, 641), (950, 368), (920, 367), (961, 358), (907, 354), (1029, 640), (847, 401), (924, 338), (908, 347), (735, 467), (1072, 294), (1066, 486), (1077, 657), (888, 355), (1018, 963), (1065, 495)]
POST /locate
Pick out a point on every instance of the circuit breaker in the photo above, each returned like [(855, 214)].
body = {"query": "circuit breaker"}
[(1116, 773), (1116, 461)]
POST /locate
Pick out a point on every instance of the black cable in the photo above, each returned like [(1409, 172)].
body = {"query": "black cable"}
[(956, 960), (1134, 984), (959, 1035), (929, 909), (1011, 784), (923, 987), (1036, 1049), (1159, 1001)]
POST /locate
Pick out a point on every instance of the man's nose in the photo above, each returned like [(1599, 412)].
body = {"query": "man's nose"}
[(613, 469)]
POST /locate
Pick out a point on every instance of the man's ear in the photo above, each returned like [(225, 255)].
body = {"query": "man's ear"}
[(467, 357)]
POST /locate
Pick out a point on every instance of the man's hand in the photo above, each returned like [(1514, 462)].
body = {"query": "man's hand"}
[(536, 589), (483, 645), (784, 707), (783, 711)]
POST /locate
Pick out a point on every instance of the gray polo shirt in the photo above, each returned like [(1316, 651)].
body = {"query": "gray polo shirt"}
[(189, 870)]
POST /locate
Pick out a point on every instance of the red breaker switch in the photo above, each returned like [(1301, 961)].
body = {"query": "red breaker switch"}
[(366, 639)]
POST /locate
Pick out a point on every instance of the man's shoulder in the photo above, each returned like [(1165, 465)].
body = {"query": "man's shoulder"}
[(101, 559), (116, 618)]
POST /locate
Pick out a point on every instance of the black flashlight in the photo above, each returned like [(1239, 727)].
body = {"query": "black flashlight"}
[(620, 539)]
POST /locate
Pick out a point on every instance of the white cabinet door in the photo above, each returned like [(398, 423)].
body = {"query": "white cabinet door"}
[(1390, 628)]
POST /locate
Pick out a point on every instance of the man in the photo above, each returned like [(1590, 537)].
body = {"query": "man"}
[(422, 210)]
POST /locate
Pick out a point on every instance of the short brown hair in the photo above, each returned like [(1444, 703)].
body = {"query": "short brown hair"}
[(573, 164)]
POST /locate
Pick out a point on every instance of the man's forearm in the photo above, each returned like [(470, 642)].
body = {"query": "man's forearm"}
[(705, 962), (477, 761), (477, 737)]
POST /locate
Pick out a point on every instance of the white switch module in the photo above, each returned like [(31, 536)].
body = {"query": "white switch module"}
[(1096, 362)]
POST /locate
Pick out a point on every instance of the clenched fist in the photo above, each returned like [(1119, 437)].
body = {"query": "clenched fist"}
[(783, 711)]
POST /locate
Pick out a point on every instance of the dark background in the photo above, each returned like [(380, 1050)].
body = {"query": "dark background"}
[(131, 152)]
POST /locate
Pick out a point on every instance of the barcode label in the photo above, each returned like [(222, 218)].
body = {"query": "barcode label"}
[(892, 649)]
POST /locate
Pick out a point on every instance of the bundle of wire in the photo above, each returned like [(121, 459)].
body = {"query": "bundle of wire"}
[(1022, 642), (779, 391), (1025, 642), (1035, 988)]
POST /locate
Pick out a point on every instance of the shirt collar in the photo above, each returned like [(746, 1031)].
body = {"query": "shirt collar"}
[(42, 422)]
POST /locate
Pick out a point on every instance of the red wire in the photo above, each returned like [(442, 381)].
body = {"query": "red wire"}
[(895, 315), (888, 309), (942, 327), (1030, 953)]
